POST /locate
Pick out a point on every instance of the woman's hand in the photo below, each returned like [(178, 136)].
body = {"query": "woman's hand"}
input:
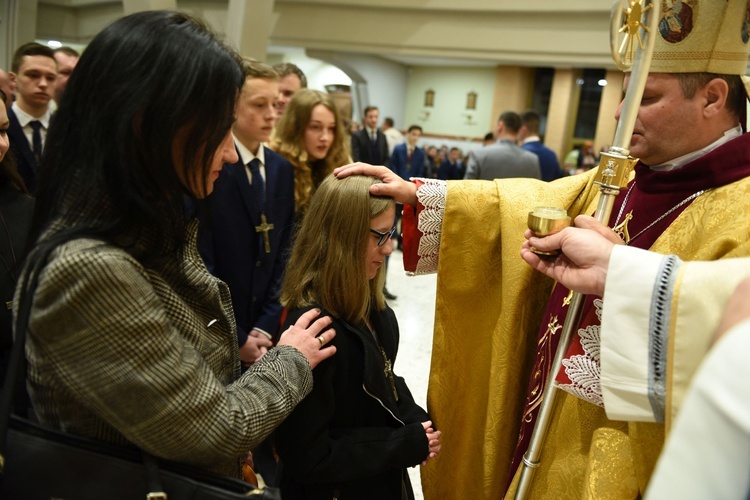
[(393, 186), (305, 336), (586, 248), (433, 440)]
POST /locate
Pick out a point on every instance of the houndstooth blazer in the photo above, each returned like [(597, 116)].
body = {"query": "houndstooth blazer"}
[(149, 357)]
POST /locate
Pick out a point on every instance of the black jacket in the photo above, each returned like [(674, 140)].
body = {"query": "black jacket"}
[(362, 148), (26, 163), (15, 209), (350, 437)]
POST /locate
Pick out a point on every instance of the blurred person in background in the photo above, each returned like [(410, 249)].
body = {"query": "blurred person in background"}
[(66, 58), (291, 80)]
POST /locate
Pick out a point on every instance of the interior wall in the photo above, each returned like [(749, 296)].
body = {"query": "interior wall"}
[(376, 82), (507, 39), (451, 86), (531, 33)]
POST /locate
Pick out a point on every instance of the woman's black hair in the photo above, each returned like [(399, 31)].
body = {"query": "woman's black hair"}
[(108, 169)]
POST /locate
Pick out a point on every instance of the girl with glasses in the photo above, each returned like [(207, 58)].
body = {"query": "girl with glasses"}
[(359, 429)]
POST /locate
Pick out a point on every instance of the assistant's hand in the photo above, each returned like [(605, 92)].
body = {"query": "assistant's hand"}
[(433, 440), (393, 186), (582, 265), (303, 336), (737, 309), (255, 347)]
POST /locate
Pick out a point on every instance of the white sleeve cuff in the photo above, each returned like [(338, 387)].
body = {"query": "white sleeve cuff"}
[(625, 361)]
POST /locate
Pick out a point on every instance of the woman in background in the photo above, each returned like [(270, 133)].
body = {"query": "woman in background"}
[(15, 216), (130, 339), (359, 429), (310, 134)]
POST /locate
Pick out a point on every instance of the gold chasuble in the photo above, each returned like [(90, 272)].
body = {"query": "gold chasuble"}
[(488, 309), (492, 312)]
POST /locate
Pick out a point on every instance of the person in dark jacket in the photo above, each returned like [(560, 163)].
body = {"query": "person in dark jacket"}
[(359, 429), (15, 216), (130, 340)]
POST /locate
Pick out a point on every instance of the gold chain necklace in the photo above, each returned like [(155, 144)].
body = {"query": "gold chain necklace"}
[(623, 231)]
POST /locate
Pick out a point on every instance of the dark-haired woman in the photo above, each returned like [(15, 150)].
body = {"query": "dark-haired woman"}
[(15, 216), (130, 339), (359, 429)]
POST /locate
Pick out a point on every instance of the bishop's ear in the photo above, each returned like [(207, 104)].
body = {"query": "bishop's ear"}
[(715, 92)]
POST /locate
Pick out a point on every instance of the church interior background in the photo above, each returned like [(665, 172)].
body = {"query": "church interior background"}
[(477, 58), (547, 55)]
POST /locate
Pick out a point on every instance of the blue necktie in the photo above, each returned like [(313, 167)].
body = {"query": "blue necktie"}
[(259, 187), (374, 150), (36, 139)]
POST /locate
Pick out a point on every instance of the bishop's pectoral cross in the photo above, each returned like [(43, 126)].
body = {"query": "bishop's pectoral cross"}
[(621, 229), (264, 228)]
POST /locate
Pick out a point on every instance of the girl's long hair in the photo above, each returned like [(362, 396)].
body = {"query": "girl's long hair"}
[(289, 141), (328, 264)]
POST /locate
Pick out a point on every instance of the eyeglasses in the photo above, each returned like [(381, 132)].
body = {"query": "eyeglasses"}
[(383, 237)]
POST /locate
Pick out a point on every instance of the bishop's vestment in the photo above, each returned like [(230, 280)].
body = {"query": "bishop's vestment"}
[(493, 336)]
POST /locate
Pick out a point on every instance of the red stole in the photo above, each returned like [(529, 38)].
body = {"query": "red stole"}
[(654, 194)]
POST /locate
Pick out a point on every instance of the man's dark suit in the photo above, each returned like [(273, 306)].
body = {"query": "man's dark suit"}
[(25, 159), (362, 148), (234, 251), (403, 167), (547, 160), (451, 171)]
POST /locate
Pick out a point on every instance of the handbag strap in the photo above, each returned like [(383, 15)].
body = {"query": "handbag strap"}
[(153, 479)]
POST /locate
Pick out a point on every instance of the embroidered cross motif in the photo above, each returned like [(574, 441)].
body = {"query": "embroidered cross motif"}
[(553, 326)]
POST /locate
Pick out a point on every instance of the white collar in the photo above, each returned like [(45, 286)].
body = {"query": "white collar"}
[(532, 138), (24, 118), (246, 155)]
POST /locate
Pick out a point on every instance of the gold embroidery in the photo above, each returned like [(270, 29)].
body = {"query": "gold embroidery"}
[(568, 298), (538, 379), (553, 326)]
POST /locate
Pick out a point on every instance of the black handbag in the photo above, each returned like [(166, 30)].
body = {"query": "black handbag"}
[(40, 463)]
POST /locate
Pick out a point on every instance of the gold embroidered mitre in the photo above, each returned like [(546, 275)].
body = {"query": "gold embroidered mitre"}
[(695, 36)]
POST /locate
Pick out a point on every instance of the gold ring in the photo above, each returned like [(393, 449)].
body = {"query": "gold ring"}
[(322, 340)]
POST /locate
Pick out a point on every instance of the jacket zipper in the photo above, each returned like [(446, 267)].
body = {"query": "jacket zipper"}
[(384, 406)]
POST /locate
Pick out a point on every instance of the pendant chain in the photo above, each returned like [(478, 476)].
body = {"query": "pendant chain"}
[(625, 202)]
